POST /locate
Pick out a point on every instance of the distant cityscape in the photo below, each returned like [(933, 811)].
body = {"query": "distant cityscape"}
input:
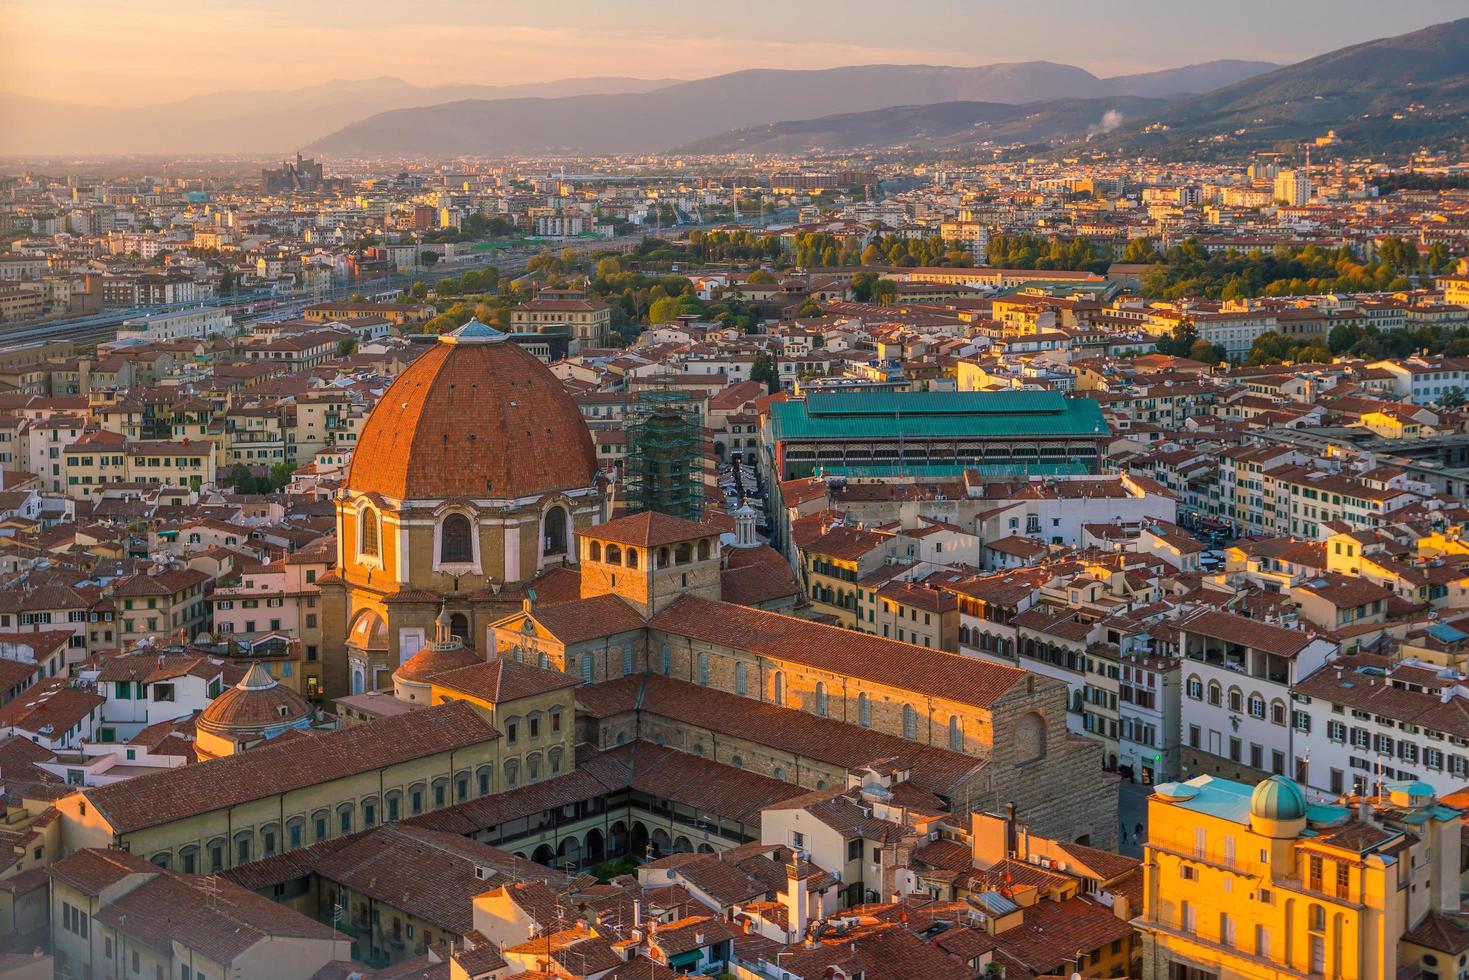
[(1020, 533)]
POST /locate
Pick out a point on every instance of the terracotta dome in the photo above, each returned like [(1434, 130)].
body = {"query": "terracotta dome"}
[(254, 707), (475, 416), (433, 660)]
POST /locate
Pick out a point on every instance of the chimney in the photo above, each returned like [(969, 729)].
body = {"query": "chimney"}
[(795, 899)]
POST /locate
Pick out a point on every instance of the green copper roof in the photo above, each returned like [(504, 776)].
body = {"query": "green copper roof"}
[(937, 414), (935, 470)]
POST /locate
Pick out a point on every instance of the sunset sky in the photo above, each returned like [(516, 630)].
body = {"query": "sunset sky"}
[(126, 52)]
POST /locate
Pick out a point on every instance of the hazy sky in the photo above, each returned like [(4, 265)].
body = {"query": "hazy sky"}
[(134, 51)]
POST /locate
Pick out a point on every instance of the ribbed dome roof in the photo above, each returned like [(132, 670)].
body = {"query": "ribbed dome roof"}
[(433, 660), (256, 703), (475, 416), (1278, 798)]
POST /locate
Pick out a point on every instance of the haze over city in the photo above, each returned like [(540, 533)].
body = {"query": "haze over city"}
[(97, 52), (807, 491)]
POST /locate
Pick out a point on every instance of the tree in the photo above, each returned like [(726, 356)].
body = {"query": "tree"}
[(1206, 352), (429, 258), (239, 478), (1453, 397), (765, 370), (760, 276), (1181, 341), (808, 308), (871, 256), (862, 284), (884, 291), (663, 309), (280, 475), (1140, 250), (347, 347)]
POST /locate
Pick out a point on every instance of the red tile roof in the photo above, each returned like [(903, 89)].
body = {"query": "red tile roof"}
[(159, 798), (964, 680)]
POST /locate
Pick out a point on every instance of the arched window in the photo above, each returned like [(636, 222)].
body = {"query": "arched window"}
[(780, 687), (244, 840), (821, 698), (368, 545), (667, 658), (216, 855), (456, 546), (910, 723), (737, 762), (459, 626), (554, 531), (632, 558), (485, 775), (553, 761), (627, 658), (704, 669), (780, 773), (533, 767), (704, 549), (956, 734), (683, 553), (614, 555), (594, 551), (1257, 706), (1216, 693), (586, 668), (741, 686), (864, 711), (512, 773)]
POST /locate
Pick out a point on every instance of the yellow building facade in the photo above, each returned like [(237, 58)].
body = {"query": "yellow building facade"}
[(1257, 882)]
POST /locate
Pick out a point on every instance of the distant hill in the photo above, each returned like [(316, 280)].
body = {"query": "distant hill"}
[(933, 128), (682, 113), (1392, 93), (248, 122)]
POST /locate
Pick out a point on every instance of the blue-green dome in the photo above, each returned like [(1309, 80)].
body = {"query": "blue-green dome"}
[(1278, 798)]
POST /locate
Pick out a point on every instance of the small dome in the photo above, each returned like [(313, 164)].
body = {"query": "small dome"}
[(474, 332), (446, 652), (254, 706), (433, 660), (1278, 798)]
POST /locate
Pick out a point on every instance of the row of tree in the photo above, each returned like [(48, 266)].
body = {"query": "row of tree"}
[(1188, 269)]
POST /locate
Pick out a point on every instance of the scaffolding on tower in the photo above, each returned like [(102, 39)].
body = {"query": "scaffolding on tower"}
[(664, 466)]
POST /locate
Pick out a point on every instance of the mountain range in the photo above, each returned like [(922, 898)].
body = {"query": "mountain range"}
[(1393, 93), (681, 113), (249, 122), (933, 128)]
